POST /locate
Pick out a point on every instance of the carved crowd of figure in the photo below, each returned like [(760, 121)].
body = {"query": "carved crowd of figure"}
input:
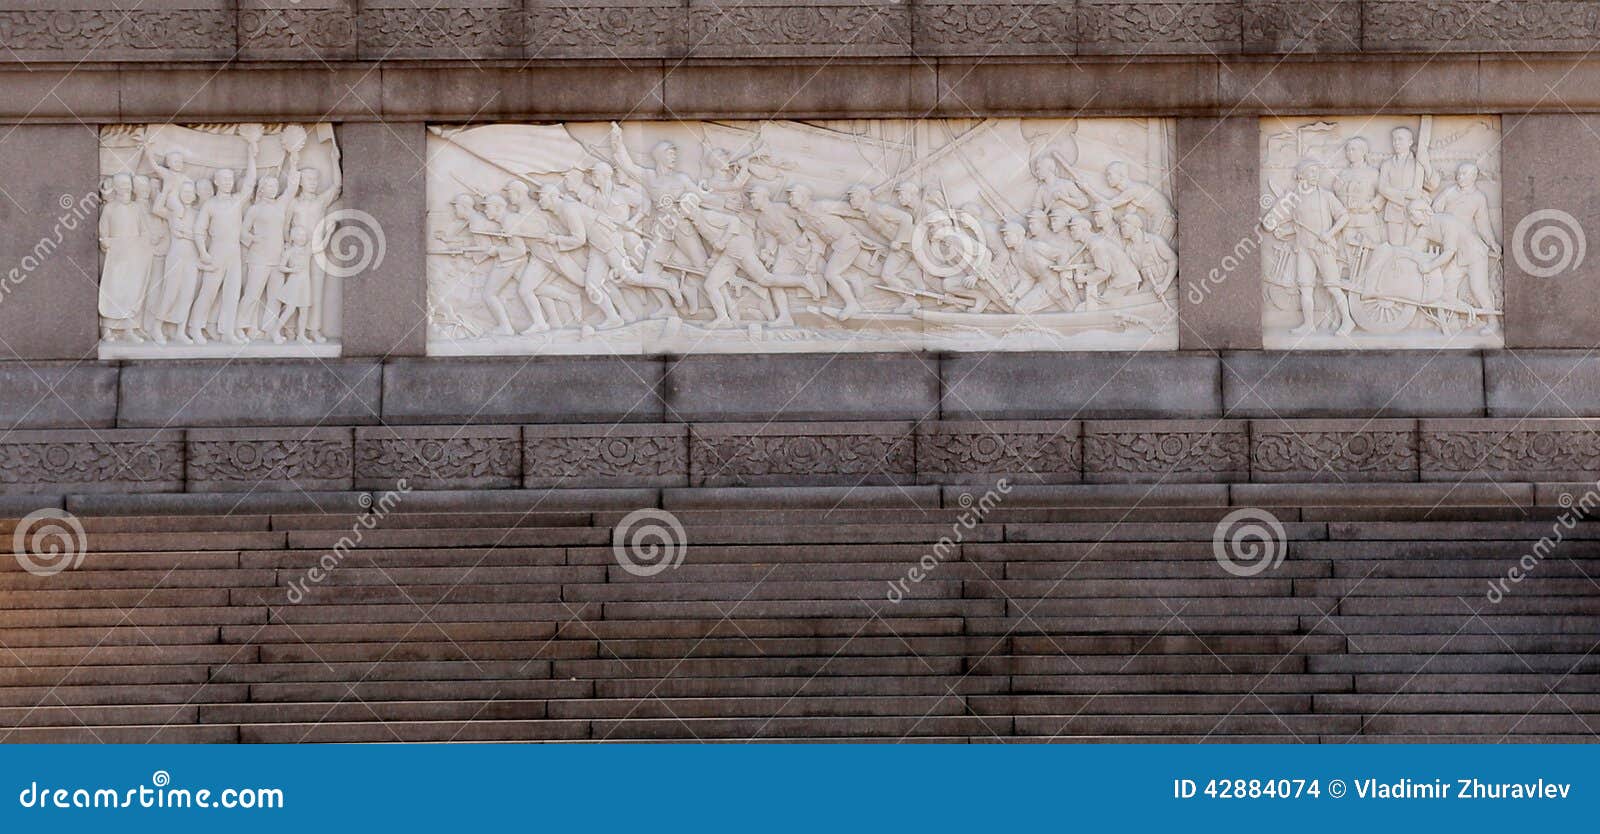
[(1387, 237), (638, 240), (191, 259)]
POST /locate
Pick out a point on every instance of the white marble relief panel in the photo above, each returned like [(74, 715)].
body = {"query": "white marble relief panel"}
[(212, 241), (1381, 232), (768, 236)]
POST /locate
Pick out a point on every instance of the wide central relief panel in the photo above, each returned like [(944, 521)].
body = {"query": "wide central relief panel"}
[(784, 236)]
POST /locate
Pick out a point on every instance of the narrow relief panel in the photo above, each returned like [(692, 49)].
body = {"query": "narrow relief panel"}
[(214, 241), (1381, 232), (783, 236)]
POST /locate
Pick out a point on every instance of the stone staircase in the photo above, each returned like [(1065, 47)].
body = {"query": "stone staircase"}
[(1047, 622)]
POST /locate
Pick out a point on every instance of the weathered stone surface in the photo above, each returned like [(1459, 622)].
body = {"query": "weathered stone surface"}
[(270, 460), (980, 452), (1546, 383), (110, 460), (310, 91), (385, 307), (1219, 256), (1165, 451), (438, 457), (755, 454), (1035, 386), (446, 29), (1291, 26), (1274, 384), (1338, 451), (1400, 84), (69, 395), (1510, 450), (1550, 299), (802, 387), (595, 456), (843, 88), (49, 257), (488, 93), (542, 390), (985, 87), (995, 27), (249, 393)]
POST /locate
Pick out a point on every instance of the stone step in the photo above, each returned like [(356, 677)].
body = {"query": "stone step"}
[(415, 651), (383, 671), (865, 685), (1299, 726), (146, 579), (800, 706), (413, 731), (134, 616), (136, 655), (153, 734), (757, 667), (454, 690), (27, 697), (388, 558), (158, 560), (434, 629), (889, 727)]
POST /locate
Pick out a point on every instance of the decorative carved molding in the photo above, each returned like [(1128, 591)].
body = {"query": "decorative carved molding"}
[(985, 29), (203, 30), (798, 28), (779, 236), (441, 30), (1381, 232), (1284, 26), (1029, 452), (112, 460), (287, 28), (225, 460), (1155, 26), (612, 30), (1333, 450), (1170, 451), (736, 454), (215, 240), (1510, 449), (623, 454), (1480, 25), (439, 457)]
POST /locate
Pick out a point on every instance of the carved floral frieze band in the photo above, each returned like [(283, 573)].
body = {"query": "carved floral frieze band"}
[(778, 236), (213, 239), (1381, 232)]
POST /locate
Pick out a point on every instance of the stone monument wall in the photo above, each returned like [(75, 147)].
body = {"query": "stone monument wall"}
[(529, 244)]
